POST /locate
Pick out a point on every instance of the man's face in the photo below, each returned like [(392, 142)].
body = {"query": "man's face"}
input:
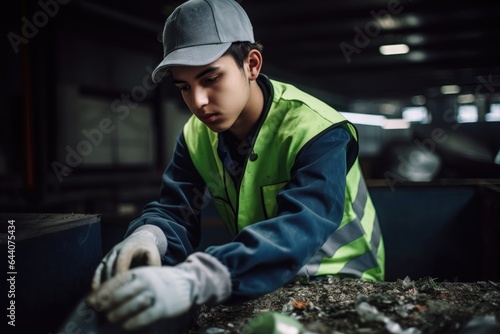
[(216, 93)]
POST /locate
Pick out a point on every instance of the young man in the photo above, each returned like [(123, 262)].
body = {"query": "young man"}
[(281, 168)]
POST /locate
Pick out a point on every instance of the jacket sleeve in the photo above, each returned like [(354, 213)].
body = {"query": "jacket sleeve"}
[(177, 213), (266, 255)]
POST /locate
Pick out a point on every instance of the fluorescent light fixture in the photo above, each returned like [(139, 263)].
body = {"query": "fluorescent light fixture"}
[(393, 124), (466, 98), (387, 108), (416, 56), (418, 100), (394, 49), (417, 114), (411, 20), (450, 89), (388, 22), (376, 120), (364, 119), (415, 39), (467, 113), (494, 114)]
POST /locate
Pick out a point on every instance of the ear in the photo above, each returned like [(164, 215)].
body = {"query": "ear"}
[(254, 64)]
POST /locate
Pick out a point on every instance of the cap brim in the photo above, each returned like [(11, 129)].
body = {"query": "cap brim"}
[(192, 56)]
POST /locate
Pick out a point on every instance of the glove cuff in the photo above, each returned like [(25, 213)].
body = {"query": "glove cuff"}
[(212, 278), (157, 234)]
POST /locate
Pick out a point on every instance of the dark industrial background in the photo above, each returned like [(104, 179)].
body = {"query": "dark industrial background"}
[(85, 131)]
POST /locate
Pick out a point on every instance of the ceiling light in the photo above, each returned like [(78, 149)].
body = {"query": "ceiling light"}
[(494, 114), (418, 100), (416, 56), (376, 120), (387, 108), (388, 22), (395, 124), (394, 49), (418, 114), (365, 119), (411, 20), (415, 39), (467, 114), (465, 98), (450, 89)]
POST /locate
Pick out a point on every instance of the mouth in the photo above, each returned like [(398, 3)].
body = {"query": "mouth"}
[(208, 118)]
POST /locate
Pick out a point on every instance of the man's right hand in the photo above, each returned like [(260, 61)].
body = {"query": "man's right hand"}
[(139, 249)]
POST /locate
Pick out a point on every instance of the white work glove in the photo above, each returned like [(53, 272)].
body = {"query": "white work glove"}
[(143, 247), (142, 296)]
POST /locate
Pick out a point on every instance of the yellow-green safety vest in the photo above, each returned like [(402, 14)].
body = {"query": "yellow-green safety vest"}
[(356, 248)]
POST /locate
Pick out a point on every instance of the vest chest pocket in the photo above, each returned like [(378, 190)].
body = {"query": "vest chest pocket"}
[(269, 194)]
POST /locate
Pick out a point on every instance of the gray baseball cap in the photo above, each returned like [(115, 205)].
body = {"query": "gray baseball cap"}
[(198, 32)]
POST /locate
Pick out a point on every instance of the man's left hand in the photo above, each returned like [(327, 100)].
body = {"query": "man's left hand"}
[(144, 295)]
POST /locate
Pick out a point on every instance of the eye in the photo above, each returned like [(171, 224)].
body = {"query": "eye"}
[(211, 80), (183, 88)]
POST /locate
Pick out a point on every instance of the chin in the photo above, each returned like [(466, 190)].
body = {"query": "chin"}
[(218, 127)]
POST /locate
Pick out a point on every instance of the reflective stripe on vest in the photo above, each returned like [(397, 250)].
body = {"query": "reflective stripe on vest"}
[(294, 119), (356, 248)]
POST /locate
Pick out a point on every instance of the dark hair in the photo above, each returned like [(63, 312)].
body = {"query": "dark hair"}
[(240, 50)]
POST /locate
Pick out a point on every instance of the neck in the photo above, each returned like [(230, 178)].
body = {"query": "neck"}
[(250, 114)]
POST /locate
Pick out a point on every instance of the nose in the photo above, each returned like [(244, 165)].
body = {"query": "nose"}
[(199, 98)]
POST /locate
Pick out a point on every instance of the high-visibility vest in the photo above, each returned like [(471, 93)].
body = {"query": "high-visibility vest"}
[(356, 248)]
